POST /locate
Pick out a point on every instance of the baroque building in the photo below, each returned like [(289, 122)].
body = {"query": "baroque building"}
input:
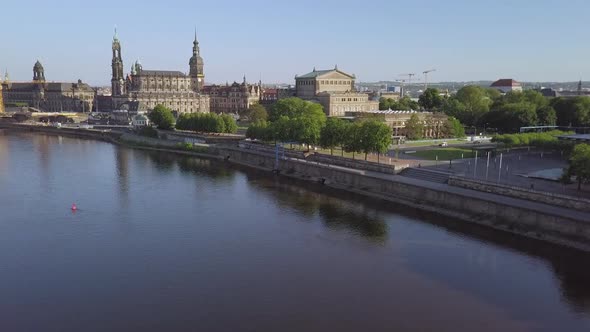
[(48, 96), (233, 98), (142, 90), (334, 90), (1, 100)]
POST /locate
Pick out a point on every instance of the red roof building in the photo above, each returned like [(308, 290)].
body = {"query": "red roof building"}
[(506, 85)]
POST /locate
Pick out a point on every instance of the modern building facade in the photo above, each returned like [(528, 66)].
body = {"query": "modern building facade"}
[(506, 85), (334, 90), (48, 96), (144, 89), (233, 98)]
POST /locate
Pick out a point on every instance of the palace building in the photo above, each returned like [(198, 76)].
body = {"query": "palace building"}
[(47, 96), (334, 90), (142, 90), (233, 98)]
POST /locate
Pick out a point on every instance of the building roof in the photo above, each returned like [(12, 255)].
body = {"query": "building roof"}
[(317, 73), (49, 86), (173, 73), (505, 82)]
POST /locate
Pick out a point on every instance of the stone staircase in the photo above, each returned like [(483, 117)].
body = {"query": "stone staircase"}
[(425, 175)]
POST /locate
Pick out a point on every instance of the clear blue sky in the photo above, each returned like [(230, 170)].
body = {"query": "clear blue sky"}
[(526, 40)]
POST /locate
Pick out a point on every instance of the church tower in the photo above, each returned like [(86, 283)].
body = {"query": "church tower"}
[(196, 67), (38, 72), (117, 80)]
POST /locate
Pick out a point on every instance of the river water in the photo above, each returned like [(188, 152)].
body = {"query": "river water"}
[(168, 243)]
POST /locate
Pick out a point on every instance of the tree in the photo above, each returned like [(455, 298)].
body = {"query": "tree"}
[(414, 127), (431, 99), (579, 164), (572, 111), (453, 128), (333, 134), (546, 116), (258, 130), (353, 138), (387, 103), (406, 103), (162, 117), (295, 107), (230, 125), (257, 112), (375, 137), (476, 102)]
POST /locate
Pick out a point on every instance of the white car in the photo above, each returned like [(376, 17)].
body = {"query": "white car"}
[(443, 144)]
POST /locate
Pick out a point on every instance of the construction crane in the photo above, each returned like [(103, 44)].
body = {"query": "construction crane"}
[(426, 77), (402, 91), (409, 77)]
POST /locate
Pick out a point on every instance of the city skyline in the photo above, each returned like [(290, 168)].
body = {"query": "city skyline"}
[(276, 41)]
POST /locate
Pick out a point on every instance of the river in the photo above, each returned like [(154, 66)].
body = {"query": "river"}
[(162, 242)]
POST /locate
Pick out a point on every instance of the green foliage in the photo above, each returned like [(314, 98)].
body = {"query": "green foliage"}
[(231, 127), (546, 116), (403, 104), (297, 108), (547, 140), (431, 99), (572, 111), (333, 133), (579, 164), (257, 112), (353, 138), (375, 137), (414, 127), (206, 122), (192, 148), (294, 119), (453, 128), (162, 117), (259, 130), (472, 102), (148, 132)]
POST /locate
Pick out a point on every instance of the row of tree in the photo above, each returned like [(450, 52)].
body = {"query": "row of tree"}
[(403, 104), (475, 106), (296, 120), (163, 118), (207, 122)]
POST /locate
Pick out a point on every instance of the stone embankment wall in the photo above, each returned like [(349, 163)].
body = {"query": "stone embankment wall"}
[(358, 164), (508, 217), (523, 193), (108, 136)]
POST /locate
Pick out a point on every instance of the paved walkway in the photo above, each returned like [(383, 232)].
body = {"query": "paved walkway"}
[(509, 201)]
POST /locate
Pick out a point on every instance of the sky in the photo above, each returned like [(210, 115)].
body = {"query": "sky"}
[(528, 40)]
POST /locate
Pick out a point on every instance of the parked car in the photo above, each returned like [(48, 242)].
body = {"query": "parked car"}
[(443, 144)]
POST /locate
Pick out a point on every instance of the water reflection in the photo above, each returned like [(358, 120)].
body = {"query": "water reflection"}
[(166, 162), (122, 168), (363, 216), (335, 213)]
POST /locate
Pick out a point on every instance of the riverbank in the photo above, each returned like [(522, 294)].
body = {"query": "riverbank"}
[(527, 218)]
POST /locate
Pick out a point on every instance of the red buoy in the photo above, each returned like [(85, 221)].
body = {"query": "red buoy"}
[(74, 207)]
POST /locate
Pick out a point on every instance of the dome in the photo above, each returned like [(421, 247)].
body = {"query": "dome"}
[(38, 65)]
